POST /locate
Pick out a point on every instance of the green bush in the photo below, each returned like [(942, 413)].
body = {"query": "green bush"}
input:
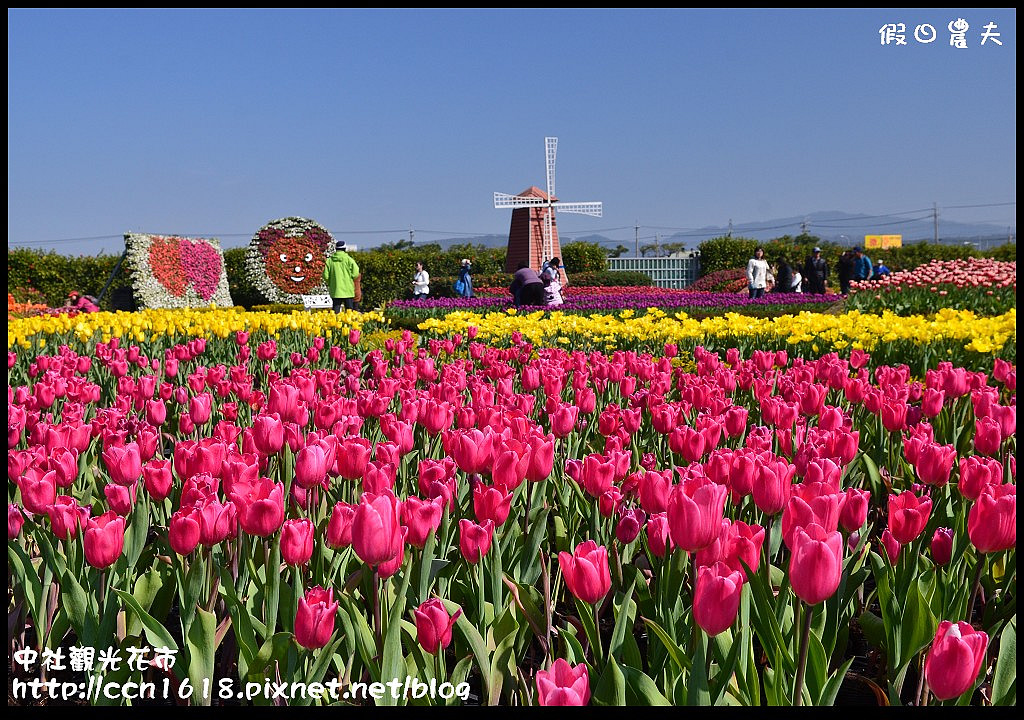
[(243, 292), (56, 275), (582, 257)]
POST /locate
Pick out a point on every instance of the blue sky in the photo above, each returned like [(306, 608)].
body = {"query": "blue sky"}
[(372, 122)]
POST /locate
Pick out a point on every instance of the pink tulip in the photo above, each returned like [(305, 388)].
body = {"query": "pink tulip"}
[(377, 533), (15, 521), (103, 539), (977, 473), (954, 659), (314, 621), (695, 512), (630, 523), (853, 511), (659, 539), (491, 503), (422, 518), (38, 491), (434, 625), (183, 533), (121, 499), (816, 564), (586, 571), (716, 598), (157, 478), (992, 522), (934, 463), (268, 434), (297, 541), (124, 463), (942, 546), (475, 540), (66, 517), (891, 545), (773, 485), (908, 516), (563, 685), (987, 436), (339, 527)]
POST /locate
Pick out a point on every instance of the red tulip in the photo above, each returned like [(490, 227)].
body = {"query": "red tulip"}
[(121, 499), (422, 518), (377, 533), (942, 546), (297, 541), (822, 510), (892, 546), (630, 523), (15, 520), (475, 540), (773, 485), (268, 434), (987, 436), (103, 539), (314, 621), (260, 506), (66, 517), (124, 463), (563, 420), (716, 598), (491, 503), (977, 473), (563, 685), (339, 528), (908, 516), (586, 571), (434, 625), (311, 465), (992, 522), (183, 532), (954, 659), (816, 564), (695, 512), (934, 463)]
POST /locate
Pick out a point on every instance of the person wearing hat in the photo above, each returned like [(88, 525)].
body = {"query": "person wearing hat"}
[(464, 283), (341, 275), (862, 270), (815, 273)]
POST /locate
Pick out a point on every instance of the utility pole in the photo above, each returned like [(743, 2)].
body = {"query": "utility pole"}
[(636, 237), (803, 227), (935, 220), (730, 228), (657, 244), (412, 234)]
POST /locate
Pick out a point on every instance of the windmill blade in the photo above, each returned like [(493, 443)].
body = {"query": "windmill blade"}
[(504, 200), (585, 208), (550, 146)]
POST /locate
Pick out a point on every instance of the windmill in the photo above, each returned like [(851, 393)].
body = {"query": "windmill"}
[(533, 234)]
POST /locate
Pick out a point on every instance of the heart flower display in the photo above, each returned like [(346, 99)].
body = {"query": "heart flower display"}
[(176, 272)]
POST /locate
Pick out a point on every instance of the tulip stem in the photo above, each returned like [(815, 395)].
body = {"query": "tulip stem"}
[(802, 662), (975, 586), (376, 609)]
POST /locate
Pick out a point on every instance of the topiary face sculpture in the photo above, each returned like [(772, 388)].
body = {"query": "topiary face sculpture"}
[(286, 259)]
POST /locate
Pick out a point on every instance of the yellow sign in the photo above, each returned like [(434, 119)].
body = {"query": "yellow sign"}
[(881, 242)]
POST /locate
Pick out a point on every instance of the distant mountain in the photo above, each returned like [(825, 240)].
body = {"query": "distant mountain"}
[(831, 226)]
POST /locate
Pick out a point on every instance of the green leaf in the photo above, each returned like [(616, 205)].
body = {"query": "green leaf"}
[(393, 660), (675, 652), (146, 589), (28, 579), (873, 627), (611, 688), (202, 647), (917, 627), (1004, 680), (318, 668), (156, 633), (476, 644), (498, 663), (835, 681), (623, 621), (641, 689), (697, 692), (364, 639), (137, 534)]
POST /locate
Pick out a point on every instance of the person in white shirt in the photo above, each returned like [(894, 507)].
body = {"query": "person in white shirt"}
[(420, 282), (757, 274)]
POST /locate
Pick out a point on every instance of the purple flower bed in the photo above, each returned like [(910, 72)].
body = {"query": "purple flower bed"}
[(634, 301)]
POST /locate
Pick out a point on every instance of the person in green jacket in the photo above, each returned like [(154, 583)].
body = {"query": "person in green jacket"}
[(341, 274)]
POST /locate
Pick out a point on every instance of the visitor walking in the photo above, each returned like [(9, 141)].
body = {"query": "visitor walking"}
[(464, 283), (552, 279), (341, 274), (527, 288), (815, 273), (862, 269), (420, 282), (844, 269), (757, 274)]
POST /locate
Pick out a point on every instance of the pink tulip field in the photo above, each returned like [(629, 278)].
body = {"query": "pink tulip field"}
[(288, 521)]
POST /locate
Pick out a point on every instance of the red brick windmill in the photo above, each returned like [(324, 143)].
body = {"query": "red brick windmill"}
[(533, 235)]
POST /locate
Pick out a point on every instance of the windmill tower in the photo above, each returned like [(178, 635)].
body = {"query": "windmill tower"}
[(533, 234)]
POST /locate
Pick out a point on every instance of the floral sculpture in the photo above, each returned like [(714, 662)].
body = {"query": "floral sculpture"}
[(176, 272), (286, 259)]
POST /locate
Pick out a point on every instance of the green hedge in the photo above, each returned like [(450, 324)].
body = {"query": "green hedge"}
[(726, 253), (56, 275)]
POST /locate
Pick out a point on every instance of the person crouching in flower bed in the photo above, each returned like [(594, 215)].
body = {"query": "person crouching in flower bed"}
[(527, 288)]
